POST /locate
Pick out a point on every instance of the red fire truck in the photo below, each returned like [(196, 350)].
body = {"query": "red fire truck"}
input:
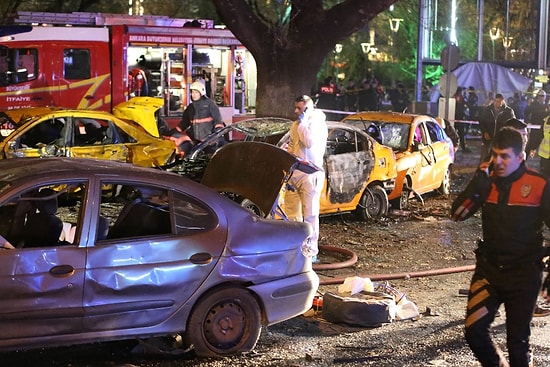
[(93, 60)]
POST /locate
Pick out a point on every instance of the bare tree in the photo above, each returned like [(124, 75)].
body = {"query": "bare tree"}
[(289, 41)]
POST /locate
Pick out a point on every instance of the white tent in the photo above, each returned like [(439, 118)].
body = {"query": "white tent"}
[(487, 77)]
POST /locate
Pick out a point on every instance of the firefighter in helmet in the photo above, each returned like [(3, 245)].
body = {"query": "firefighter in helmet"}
[(200, 119)]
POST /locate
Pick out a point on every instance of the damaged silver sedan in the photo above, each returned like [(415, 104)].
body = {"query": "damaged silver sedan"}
[(98, 250)]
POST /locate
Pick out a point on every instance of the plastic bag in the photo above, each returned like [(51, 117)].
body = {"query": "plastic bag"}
[(354, 285)]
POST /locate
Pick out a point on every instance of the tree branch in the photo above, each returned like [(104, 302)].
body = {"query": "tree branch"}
[(235, 13)]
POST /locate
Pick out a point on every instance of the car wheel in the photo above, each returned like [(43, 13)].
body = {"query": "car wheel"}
[(373, 204), (402, 202), (445, 188), (249, 204), (224, 322)]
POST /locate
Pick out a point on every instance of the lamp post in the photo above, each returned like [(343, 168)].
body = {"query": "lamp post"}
[(366, 48), (394, 27), (337, 49), (506, 42), (494, 34)]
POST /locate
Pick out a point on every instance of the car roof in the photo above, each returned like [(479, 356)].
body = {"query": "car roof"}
[(20, 169), (388, 116)]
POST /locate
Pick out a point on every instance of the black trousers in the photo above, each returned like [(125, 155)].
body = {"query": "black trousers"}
[(516, 287)]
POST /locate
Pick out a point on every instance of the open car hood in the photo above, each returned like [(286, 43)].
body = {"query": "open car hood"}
[(254, 170), (142, 110)]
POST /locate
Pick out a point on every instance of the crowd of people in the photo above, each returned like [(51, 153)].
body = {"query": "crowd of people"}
[(368, 95)]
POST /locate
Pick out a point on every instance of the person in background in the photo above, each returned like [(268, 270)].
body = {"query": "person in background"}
[(491, 120), (472, 100), (351, 96), (308, 139), (544, 148), (399, 98), (328, 96), (460, 115), (535, 115), (518, 105), (515, 205), (369, 97), (489, 99), (201, 118)]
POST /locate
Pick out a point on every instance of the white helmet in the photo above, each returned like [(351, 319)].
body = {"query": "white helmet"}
[(541, 93), (198, 86)]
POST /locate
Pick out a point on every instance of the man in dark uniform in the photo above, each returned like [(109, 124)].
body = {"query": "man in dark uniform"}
[(491, 119), (515, 204), (201, 118)]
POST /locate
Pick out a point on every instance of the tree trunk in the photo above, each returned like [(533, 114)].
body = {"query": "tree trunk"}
[(289, 52), (281, 79)]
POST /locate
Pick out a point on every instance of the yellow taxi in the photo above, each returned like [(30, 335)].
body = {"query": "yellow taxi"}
[(53, 131), (424, 152), (359, 173)]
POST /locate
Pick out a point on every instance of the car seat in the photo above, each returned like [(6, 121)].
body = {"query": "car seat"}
[(43, 228)]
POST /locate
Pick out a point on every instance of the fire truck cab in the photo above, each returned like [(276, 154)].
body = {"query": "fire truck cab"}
[(96, 61)]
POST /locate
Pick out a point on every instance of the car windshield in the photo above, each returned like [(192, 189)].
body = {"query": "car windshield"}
[(263, 127), (394, 135)]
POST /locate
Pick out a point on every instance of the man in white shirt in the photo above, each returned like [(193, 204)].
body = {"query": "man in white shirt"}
[(308, 139)]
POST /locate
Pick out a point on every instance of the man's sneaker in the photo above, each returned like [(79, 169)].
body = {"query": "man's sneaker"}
[(540, 312)]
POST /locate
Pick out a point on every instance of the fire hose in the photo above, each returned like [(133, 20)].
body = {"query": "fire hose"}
[(352, 259)]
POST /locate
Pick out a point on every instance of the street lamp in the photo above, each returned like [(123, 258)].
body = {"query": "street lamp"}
[(337, 49), (366, 48), (506, 42), (394, 27), (494, 34)]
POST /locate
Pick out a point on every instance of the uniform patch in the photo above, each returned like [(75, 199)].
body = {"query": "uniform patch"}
[(526, 190)]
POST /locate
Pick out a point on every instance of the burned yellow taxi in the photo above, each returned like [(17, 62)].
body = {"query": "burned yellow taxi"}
[(359, 172), (81, 133)]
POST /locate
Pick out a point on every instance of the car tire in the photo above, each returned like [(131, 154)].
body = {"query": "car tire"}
[(224, 322), (373, 204), (402, 202), (445, 188), (250, 205)]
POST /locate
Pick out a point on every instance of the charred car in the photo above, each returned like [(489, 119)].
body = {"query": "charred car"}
[(425, 154), (359, 172), (99, 250)]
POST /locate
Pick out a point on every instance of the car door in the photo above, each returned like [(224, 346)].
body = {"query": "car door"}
[(149, 252), (41, 284), (423, 150), (41, 137), (96, 138), (348, 165), (442, 152)]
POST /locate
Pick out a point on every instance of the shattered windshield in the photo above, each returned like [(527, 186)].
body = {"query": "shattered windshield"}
[(262, 127), (392, 134)]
